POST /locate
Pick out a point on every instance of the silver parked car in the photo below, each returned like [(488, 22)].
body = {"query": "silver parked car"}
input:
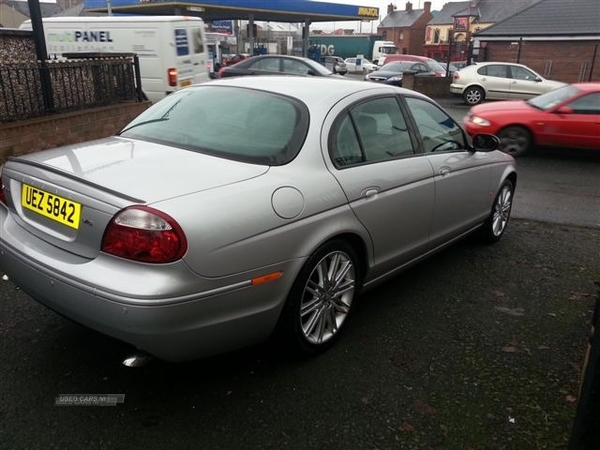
[(244, 208)]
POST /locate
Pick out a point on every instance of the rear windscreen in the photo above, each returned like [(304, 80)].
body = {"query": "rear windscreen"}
[(235, 123)]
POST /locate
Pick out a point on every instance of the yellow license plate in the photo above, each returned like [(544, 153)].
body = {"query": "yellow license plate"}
[(185, 83), (51, 206)]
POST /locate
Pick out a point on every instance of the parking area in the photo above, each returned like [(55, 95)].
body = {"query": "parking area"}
[(477, 347)]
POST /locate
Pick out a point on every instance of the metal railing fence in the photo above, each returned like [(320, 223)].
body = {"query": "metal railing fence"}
[(81, 81)]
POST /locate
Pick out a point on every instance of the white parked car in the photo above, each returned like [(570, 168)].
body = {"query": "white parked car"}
[(499, 81), (364, 66)]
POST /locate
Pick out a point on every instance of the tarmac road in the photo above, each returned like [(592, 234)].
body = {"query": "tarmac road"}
[(480, 347)]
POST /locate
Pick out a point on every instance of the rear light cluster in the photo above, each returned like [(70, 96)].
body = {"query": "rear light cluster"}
[(144, 234), (172, 74), (456, 76), (2, 194)]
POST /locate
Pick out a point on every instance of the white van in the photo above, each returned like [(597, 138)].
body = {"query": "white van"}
[(381, 49), (171, 49)]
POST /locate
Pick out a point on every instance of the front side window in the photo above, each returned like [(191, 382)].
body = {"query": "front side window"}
[(523, 74), (226, 121), (420, 68), (439, 132), (371, 131), (588, 104), (296, 67)]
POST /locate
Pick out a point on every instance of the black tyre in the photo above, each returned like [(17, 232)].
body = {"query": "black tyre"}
[(495, 225), (473, 95), (320, 300), (515, 140)]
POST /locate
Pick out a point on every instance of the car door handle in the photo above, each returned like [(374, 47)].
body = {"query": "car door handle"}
[(370, 192), (444, 171), (196, 64)]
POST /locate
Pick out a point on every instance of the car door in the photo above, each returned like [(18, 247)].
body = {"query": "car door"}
[(495, 80), (462, 176), (389, 186), (577, 126), (524, 83)]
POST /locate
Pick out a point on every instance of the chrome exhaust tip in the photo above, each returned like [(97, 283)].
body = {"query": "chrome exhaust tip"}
[(138, 360)]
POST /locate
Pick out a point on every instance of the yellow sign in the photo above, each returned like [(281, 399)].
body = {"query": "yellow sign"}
[(369, 12), (51, 206)]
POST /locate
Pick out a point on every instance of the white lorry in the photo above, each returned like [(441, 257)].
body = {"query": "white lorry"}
[(171, 49), (381, 49)]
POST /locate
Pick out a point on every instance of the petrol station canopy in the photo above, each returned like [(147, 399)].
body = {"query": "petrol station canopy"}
[(263, 10)]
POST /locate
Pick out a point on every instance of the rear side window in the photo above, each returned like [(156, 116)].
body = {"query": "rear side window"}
[(271, 64), (182, 45), (228, 122), (371, 131), (494, 70)]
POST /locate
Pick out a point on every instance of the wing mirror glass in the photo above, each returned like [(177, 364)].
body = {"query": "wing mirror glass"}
[(564, 110), (486, 142)]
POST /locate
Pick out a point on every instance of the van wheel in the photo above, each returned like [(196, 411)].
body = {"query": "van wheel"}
[(473, 95), (321, 299)]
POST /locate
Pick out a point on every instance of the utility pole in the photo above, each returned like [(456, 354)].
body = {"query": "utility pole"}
[(41, 51)]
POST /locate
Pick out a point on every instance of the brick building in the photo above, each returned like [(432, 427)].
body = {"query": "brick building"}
[(450, 30), (406, 28), (559, 39)]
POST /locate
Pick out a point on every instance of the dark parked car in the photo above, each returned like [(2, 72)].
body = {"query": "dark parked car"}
[(276, 65), (335, 63), (392, 73)]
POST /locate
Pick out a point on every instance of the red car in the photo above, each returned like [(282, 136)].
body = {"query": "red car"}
[(565, 117), (235, 59)]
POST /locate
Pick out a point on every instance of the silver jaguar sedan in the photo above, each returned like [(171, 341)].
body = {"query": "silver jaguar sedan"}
[(242, 209)]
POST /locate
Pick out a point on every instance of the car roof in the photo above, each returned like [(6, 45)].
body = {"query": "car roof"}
[(299, 58), (311, 90), (487, 63)]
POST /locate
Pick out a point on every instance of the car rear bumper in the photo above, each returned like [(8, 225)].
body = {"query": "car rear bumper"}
[(458, 90), (173, 328)]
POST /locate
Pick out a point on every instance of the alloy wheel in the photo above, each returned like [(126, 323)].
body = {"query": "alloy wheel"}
[(327, 297), (502, 211)]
